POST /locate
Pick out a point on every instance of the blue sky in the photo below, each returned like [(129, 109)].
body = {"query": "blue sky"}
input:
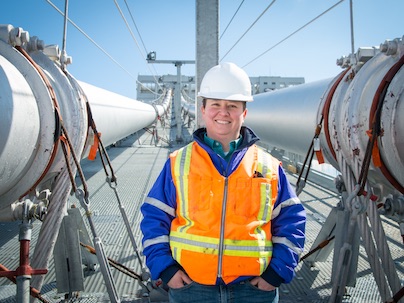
[(168, 27)]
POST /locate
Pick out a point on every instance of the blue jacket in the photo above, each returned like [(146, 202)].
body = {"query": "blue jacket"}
[(288, 219)]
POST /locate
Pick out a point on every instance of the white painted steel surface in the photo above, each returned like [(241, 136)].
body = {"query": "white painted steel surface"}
[(287, 118), (27, 125), (352, 111), (393, 126), (71, 105), (188, 108), (32, 86), (117, 116)]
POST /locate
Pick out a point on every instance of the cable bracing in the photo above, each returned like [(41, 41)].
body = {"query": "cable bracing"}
[(296, 31), (248, 29), (231, 20)]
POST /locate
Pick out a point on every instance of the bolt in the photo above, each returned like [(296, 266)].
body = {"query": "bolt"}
[(389, 47), (388, 207), (18, 36), (24, 37), (35, 44), (383, 47), (42, 212)]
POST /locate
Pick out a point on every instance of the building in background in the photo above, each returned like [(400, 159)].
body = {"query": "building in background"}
[(149, 88)]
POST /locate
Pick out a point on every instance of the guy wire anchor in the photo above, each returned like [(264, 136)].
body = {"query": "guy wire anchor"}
[(102, 258)]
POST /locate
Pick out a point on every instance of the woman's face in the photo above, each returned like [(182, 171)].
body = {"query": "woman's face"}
[(223, 119)]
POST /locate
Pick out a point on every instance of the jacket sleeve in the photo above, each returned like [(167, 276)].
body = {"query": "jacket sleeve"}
[(288, 233), (158, 211)]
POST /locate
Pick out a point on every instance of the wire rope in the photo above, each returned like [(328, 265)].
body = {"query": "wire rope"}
[(128, 27), (256, 20), (138, 32), (296, 31), (134, 23), (98, 46), (231, 20), (89, 38), (134, 38)]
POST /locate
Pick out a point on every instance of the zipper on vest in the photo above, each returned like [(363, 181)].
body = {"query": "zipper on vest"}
[(222, 226)]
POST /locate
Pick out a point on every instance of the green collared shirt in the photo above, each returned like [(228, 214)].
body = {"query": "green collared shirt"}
[(218, 148)]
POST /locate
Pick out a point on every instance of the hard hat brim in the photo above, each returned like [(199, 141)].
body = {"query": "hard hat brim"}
[(226, 96)]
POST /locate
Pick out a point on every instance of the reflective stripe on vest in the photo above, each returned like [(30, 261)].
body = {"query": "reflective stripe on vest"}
[(201, 199)]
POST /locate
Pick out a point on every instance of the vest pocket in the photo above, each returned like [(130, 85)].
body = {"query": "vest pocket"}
[(250, 196), (201, 193)]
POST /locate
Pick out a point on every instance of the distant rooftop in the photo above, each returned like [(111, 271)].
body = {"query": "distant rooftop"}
[(148, 89)]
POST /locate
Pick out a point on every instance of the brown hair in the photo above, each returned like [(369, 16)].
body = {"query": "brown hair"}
[(244, 103)]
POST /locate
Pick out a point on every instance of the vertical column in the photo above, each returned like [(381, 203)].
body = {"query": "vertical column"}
[(207, 44), (177, 103)]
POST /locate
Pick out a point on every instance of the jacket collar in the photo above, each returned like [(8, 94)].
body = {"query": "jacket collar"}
[(249, 137)]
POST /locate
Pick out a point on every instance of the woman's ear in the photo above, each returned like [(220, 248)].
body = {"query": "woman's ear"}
[(245, 113)]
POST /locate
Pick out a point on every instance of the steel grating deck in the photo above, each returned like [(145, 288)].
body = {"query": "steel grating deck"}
[(137, 162)]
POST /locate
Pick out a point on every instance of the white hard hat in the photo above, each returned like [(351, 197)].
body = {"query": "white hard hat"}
[(226, 81)]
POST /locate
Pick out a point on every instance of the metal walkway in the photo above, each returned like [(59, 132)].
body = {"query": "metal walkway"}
[(137, 162)]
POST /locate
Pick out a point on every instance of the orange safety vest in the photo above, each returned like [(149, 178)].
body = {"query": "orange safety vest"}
[(222, 227)]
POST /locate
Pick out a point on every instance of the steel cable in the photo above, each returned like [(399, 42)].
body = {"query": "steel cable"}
[(384, 249), (248, 29), (99, 47), (299, 29), (230, 19)]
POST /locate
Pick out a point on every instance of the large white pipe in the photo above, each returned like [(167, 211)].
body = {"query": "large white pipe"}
[(188, 108), (37, 96), (117, 116), (346, 106), (287, 118), (353, 110), (27, 125)]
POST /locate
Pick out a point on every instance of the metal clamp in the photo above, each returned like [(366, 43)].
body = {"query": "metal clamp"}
[(81, 196)]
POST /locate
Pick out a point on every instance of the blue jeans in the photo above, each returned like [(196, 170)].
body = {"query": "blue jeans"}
[(242, 292)]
